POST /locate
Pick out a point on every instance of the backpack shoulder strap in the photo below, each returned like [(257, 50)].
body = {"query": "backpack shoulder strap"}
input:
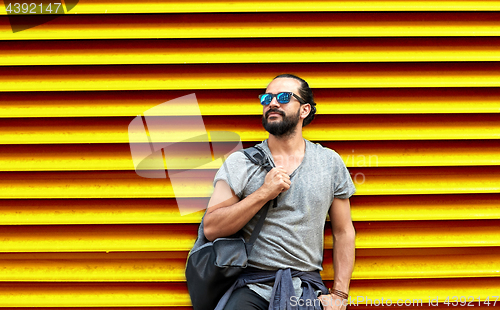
[(256, 155)]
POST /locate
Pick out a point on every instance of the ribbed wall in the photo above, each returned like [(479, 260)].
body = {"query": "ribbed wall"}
[(407, 91)]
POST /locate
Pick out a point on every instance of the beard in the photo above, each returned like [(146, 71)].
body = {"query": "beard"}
[(283, 128)]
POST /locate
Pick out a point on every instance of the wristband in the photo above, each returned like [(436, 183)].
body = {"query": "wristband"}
[(338, 293)]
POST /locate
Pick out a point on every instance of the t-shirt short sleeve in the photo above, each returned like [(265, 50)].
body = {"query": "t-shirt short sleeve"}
[(343, 187), (234, 172)]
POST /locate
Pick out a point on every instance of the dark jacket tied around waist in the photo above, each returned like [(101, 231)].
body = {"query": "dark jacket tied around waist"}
[(283, 294)]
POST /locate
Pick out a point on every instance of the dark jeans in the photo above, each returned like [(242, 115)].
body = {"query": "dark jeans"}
[(246, 299)]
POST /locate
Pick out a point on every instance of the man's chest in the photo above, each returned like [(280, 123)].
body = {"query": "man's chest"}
[(289, 162)]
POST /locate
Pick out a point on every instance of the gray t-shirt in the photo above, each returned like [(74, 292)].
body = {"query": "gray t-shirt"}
[(293, 232)]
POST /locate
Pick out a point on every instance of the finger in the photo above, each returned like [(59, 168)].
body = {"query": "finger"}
[(286, 176), (275, 173), (281, 174), (284, 183)]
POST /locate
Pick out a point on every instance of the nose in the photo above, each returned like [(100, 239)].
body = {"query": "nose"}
[(274, 103)]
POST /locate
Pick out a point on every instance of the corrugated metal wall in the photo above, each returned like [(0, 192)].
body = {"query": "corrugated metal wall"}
[(407, 93)]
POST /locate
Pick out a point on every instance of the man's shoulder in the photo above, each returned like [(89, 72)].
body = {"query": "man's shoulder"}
[(237, 157), (324, 152), (318, 148)]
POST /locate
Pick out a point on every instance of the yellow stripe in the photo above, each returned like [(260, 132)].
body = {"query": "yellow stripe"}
[(91, 270), (425, 234), (417, 153), (198, 183), (276, 50), (248, 106), (401, 267), (118, 238), (346, 128), (391, 181), (425, 290), (97, 238), (100, 211), (150, 77), (97, 7), (247, 25), (213, 102), (94, 295), (79, 157), (420, 263), (142, 211), (428, 207), (172, 270)]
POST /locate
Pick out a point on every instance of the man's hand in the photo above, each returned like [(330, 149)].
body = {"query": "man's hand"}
[(227, 214), (332, 302), (276, 182)]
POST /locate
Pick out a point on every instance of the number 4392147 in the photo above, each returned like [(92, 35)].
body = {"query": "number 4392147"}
[(34, 8), (471, 301)]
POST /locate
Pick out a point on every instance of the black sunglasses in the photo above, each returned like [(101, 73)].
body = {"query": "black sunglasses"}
[(283, 97)]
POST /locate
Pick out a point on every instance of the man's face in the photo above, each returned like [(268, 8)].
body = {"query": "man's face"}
[(281, 120)]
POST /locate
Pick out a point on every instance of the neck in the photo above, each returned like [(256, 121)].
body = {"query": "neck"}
[(291, 144)]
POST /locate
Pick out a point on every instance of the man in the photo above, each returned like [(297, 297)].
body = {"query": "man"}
[(309, 181)]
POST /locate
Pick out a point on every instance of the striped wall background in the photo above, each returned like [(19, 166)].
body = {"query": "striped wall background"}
[(407, 91)]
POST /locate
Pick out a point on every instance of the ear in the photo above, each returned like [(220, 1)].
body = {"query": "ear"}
[(305, 109)]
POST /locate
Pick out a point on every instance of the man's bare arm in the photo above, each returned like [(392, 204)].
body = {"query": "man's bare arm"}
[(343, 243), (227, 214)]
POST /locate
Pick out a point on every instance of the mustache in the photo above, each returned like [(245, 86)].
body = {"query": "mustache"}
[(274, 111)]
